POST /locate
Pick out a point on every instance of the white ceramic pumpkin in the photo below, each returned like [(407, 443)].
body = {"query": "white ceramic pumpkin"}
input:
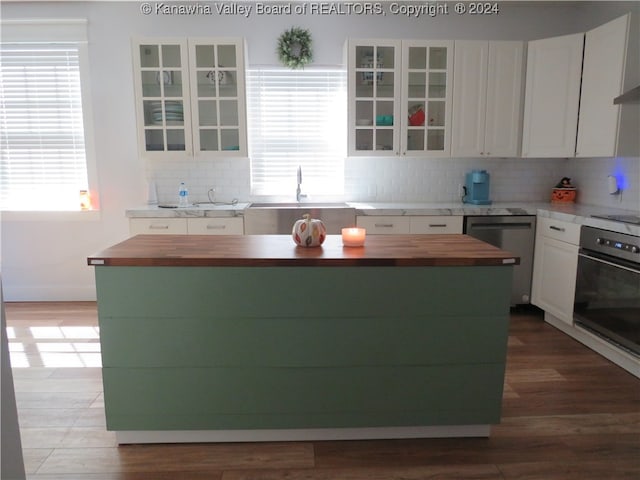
[(309, 232)]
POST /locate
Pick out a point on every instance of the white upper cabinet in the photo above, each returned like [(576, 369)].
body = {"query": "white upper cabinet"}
[(374, 92), (399, 97), (503, 121), (190, 97), (161, 77), (487, 98), (552, 96), (427, 68), (218, 96), (605, 51)]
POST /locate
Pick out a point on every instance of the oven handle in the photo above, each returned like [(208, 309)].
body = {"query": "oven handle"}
[(600, 260)]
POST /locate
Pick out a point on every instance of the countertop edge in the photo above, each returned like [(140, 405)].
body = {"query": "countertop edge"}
[(444, 250), (97, 261), (572, 213)]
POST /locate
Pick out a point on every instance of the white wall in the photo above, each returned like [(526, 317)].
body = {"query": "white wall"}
[(590, 175), (44, 259)]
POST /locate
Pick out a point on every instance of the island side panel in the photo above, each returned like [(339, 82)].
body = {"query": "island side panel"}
[(295, 347)]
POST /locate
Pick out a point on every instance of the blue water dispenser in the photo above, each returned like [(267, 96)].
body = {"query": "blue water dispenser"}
[(476, 189)]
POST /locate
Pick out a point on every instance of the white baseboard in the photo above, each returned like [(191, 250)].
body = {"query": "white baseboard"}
[(63, 293), (299, 435), (609, 351)]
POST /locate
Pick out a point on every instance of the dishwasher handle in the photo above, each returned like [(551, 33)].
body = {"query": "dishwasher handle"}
[(501, 226)]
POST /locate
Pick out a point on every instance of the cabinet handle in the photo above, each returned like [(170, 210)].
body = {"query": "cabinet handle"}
[(437, 225), (557, 229), (159, 227), (216, 227), (384, 225)]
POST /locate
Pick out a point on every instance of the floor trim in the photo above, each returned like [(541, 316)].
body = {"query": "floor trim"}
[(311, 434), (616, 355)]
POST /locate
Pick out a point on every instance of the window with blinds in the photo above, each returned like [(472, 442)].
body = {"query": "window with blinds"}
[(297, 118), (43, 163)]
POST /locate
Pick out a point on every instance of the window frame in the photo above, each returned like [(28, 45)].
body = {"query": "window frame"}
[(264, 192), (58, 31)]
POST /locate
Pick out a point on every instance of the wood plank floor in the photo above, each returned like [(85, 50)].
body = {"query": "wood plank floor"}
[(568, 413)]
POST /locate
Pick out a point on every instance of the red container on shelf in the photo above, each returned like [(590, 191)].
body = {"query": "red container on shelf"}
[(416, 116)]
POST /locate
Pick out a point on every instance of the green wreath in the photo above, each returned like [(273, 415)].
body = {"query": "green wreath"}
[(294, 47)]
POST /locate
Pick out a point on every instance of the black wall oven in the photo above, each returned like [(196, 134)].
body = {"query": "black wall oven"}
[(607, 299)]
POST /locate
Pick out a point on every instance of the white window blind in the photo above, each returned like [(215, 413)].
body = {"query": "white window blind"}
[(297, 118), (42, 148)]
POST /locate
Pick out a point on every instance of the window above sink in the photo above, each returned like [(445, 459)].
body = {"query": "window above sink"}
[(297, 118)]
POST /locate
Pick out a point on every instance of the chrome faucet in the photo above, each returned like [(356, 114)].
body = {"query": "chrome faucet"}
[(299, 194)]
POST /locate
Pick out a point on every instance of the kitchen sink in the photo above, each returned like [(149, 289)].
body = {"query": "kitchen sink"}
[(300, 205), (278, 218), (221, 205)]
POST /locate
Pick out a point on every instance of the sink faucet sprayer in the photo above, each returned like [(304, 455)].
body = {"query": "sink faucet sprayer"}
[(299, 194)]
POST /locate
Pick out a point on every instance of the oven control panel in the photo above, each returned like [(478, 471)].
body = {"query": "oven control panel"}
[(613, 244), (627, 247)]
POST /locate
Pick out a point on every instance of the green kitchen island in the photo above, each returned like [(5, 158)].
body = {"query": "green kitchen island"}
[(250, 338)]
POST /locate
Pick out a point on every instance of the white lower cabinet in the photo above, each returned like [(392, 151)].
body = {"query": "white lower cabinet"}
[(215, 226), (191, 226), (384, 224), (157, 226), (404, 224), (555, 264), (436, 224)]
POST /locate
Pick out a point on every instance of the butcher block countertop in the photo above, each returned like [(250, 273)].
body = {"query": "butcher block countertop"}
[(280, 250)]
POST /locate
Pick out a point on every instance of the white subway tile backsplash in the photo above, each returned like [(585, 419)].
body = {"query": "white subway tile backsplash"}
[(438, 180), (409, 179), (229, 178), (590, 176)]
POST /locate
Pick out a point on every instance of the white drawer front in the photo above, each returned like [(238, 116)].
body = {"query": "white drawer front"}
[(436, 224), (384, 224), (157, 226), (216, 226), (563, 231)]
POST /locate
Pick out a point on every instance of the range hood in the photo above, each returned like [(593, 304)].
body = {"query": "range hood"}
[(631, 96)]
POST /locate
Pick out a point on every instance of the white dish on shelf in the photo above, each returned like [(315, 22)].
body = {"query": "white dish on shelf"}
[(165, 77), (363, 122)]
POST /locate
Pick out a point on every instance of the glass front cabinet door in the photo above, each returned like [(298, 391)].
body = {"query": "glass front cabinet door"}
[(426, 97), (161, 78), (374, 93), (399, 97), (217, 95), (190, 97)]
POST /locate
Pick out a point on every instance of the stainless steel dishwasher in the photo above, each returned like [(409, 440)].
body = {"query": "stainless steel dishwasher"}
[(514, 233)]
